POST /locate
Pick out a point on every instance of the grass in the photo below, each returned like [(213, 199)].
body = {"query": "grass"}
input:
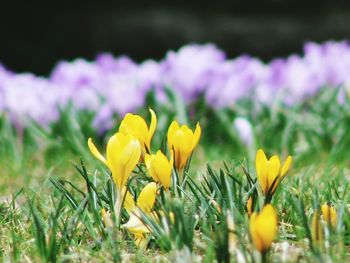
[(52, 190)]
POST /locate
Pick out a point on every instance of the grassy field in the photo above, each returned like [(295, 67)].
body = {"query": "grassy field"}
[(53, 190)]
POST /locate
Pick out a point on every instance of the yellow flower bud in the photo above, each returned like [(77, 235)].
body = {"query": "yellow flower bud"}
[(147, 197), (182, 141), (160, 168), (263, 228), (270, 172), (329, 214), (145, 203), (123, 153), (137, 126)]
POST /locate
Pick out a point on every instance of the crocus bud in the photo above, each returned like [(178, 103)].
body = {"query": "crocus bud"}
[(182, 141), (263, 228), (159, 167), (270, 172)]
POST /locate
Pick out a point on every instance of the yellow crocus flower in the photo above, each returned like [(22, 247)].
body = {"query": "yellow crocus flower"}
[(159, 168), (270, 172), (137, 126), (145, 203), (123, 153), (182, 141), (263, 228), (329, 214)]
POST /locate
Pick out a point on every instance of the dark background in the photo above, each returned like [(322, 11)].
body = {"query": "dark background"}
[(35, 35)]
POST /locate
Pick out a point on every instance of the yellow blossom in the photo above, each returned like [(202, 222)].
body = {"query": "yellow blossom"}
[(182, 141), (263, 228), (160, 168), (329, 214), (145, 203), (137, 126), (123, 153), (270, 172)]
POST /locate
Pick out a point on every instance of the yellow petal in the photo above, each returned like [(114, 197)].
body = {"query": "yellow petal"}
[(183, 139), (174, 126), (148, 158), (129, 157), (95, 152), (263, 228), (329, 214), (136, 126), (160, 169), (140, 240), (274, 168), (172, 158), (153, 125), (135, 225), (286, 166), (147, 197), (196, 136), (114, 146), (123, 153), (261, 169)]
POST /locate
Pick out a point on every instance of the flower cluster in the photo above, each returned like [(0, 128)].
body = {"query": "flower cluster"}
[(263, 225), (130, 151), (110, 85), (130, 146)]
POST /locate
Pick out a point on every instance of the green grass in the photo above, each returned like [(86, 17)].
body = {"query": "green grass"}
[(51, 201), (56, 222)]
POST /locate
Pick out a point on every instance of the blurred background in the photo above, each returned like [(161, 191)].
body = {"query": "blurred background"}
[(36, 35)]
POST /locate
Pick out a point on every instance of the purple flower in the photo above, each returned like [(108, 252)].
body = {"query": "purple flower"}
[(116, 85), (267, 90), (79, 82), (234, 80), (109, 64), (3, 76), (190, 70), (245, 130), (103, 120), (28, 97)]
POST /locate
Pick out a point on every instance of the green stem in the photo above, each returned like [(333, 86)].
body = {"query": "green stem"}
[(264, 258)]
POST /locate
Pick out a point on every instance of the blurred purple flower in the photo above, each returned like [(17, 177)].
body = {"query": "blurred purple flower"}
[(30, 97), (267, 90), (79, 82), (244, 130), (112, 86), (234, 80), (103, 120), (109, 64), (189, 71)]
